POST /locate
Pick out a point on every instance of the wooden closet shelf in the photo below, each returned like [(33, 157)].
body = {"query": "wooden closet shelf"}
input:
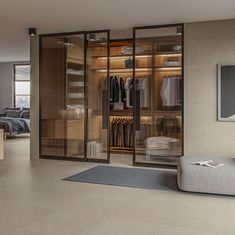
[(145, 113), (75, 75), (169, 53), (115, 149), (75, 63), (121, 150), (72, 75), (121, 112)]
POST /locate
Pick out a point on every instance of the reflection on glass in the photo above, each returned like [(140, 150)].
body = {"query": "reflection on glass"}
[(75, 96), (158, 79), (97, 90)]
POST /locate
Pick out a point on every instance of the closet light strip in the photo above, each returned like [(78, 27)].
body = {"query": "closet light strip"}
[(168, 55), (138, 56), (124, 57), (140, 69)]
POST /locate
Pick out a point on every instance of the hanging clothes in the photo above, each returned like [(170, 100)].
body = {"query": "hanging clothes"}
[(171, 92), (121, 132), (129, 87), (142, 84), (117, 90), (168, 126)]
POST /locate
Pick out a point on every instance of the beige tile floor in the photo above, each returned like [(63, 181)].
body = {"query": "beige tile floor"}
[(34, 200)]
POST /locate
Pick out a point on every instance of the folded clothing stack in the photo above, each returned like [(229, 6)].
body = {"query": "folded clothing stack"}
[(93, 149)]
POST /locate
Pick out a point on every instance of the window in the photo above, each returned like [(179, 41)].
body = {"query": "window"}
[(22, 85)]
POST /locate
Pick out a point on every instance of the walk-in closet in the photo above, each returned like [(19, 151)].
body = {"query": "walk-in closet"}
[(105, 99)]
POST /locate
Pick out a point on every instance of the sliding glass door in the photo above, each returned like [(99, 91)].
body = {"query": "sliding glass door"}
[(62, 96), (158, 96), (74, 97)]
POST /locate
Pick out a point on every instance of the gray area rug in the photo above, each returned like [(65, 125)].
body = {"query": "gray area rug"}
[(128, 177)]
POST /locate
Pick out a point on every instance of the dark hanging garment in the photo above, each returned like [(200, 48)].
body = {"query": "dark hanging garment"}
[(121, 132), (114, 88), (122, 88), (117, 90), (131, 97)]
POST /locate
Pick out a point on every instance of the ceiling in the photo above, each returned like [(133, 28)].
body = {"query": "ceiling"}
[(74, 15)]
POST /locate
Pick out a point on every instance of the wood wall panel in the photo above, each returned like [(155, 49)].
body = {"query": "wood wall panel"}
[(52, 83)]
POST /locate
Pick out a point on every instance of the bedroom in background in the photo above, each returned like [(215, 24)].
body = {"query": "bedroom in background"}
[(15, 107)]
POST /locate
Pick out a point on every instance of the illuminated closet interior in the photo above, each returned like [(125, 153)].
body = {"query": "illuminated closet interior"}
[(104, 99)]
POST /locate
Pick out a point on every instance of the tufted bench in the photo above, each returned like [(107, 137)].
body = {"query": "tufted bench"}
[(194, 178)]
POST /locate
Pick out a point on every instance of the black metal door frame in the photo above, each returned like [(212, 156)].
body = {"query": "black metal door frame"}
[(85, 33), (135, 94)]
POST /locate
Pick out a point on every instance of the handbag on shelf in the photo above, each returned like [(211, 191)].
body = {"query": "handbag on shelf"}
[(130, 63)]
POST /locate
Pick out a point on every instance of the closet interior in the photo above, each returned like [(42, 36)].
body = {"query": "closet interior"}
[(102, 98)]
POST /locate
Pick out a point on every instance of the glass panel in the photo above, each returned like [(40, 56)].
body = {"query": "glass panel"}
[(75, 95), (97, 95), (22, 88), (62, 96), (158, 81), (22, 72), (22, 101)]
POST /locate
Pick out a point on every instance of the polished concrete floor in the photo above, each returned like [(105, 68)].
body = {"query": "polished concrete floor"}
[(34, 200)]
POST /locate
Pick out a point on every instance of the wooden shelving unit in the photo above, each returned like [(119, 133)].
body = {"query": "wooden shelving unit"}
[(150, 63), (74, 75)]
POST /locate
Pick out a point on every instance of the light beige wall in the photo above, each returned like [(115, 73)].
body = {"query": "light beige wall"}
[(206, 45), (34, 98)]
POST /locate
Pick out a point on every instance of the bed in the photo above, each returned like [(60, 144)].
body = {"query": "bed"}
[(15, 122), (15, 125)]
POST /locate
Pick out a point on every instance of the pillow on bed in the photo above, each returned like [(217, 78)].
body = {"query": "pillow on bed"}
[(10, 108), (25, 108), (25, 114), (13, 113)]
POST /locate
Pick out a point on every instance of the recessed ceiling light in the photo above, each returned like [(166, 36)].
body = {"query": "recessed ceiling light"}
[(32, 32), (92, 37), (179, 30), (103, 41)]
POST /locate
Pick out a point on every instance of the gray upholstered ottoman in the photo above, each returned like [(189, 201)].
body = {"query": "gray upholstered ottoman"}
[(194, 178)]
